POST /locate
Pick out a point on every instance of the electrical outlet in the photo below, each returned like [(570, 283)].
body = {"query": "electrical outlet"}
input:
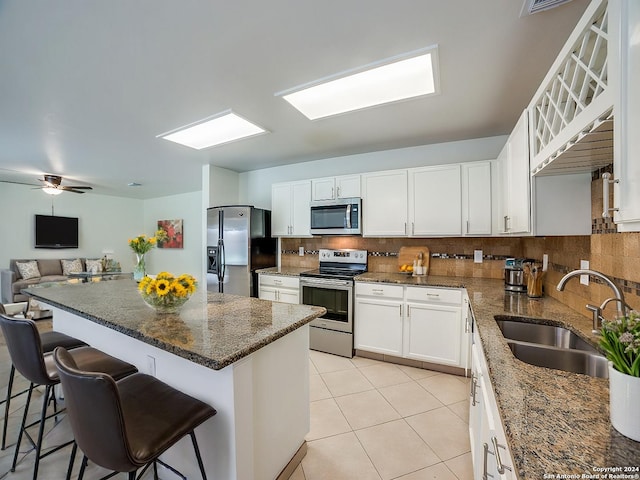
[(477, 256), (545, 262), (584, 279), (151, 365), (301, 251)]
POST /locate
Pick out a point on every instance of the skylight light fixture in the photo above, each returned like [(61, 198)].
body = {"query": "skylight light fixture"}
[(410, 75), (223, 127)]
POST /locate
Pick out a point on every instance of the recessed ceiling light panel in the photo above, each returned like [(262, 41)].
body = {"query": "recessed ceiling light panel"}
[(222, 128), (399, 78)]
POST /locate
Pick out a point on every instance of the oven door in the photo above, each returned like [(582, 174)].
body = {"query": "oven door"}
[(334, 295)]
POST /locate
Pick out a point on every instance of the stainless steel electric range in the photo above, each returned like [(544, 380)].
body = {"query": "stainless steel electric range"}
[(331, 287)]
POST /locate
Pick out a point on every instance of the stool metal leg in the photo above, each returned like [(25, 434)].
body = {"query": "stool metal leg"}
[(198, 457), (24, 422), (7, 402), (72, 460)]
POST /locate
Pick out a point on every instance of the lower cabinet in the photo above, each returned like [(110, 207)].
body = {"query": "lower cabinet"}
[(279, 288), (490, 454), (420, 323)]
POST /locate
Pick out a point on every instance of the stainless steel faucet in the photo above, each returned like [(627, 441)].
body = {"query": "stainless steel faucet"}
[(595, 310)]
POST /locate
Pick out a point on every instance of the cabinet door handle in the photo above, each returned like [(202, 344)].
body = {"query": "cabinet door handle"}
[(474, 384), (400, 310), (606, 181), (506, 221), (413, 229), (278, 282), (485, 460), (408, 310), (377, 291), (501, 467), (405, 228), (338, 192), (434, 295), (332, 195), (467, 226)]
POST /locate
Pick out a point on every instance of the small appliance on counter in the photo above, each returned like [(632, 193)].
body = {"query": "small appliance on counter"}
[(514, 277)]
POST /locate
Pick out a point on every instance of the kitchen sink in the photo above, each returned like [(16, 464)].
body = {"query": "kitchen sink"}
[(537, 333), (552, 347), (576, 361)]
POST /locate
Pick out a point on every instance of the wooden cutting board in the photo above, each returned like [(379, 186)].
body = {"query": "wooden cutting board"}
[(409, 254)]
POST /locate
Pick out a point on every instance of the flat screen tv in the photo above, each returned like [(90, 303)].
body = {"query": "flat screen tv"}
[(56, 232)]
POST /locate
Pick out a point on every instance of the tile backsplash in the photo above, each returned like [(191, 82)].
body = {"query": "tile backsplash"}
[(617, 255)]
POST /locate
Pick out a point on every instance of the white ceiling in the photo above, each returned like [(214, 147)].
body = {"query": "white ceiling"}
[(85, 86)]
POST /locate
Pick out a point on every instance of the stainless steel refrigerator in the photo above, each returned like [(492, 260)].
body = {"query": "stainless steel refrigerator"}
[(239, 242)]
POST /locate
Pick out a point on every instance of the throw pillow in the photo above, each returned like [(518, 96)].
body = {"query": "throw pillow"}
[(28, 269), (94, 266), (71, 266)]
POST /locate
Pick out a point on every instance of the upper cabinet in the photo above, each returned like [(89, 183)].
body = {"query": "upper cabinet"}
[(332, 188), (435, 201), (625, 72), (514, 159), (571, 120), (384, 204), (290, 214), (477, 198)]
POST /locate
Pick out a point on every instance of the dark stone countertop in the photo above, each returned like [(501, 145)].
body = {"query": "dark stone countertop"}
[(556, 422), (285, 271), (211, 329)]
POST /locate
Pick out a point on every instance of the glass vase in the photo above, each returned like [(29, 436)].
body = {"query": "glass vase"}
[(139, 271)]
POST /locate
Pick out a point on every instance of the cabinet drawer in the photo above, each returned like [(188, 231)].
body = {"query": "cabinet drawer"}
[(280, 281), (379, 290), (435, 295)]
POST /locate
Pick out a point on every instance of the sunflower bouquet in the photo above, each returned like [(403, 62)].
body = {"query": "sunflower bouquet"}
[(142, 244), (166, 293)]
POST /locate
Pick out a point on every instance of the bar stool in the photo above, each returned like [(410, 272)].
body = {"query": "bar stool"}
[(127, 424), (25, 349), (49, 341)]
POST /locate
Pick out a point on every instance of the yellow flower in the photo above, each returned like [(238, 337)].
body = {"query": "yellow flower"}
[(164, 276), (162, 287), (178, 289)]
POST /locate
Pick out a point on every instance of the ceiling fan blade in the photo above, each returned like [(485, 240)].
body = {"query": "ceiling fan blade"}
[(70, 189), (19, 183), (79, 187)]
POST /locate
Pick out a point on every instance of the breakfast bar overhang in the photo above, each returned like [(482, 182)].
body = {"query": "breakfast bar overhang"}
[(248, 358)]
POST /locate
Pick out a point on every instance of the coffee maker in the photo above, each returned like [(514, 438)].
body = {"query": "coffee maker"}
[(514, 278)]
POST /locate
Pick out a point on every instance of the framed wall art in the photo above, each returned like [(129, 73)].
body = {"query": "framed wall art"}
[(172, 237)]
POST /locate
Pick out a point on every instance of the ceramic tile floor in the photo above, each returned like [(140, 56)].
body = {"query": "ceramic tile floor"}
[(369, 420), (375, 420)]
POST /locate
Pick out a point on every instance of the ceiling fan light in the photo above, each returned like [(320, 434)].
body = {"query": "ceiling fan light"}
[(51, 190)]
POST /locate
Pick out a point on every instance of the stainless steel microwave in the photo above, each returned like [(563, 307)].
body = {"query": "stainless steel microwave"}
[(336, 217)]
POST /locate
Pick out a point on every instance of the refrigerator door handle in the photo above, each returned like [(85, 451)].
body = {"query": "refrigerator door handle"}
[(223, 266)]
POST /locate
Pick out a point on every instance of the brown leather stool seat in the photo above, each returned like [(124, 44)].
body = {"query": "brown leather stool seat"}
[(49, 341), (126, 424), (25, 349)]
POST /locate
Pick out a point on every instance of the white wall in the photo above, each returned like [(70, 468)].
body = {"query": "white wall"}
[(223, 187), (188, 207), (105, 223), (255, 186)]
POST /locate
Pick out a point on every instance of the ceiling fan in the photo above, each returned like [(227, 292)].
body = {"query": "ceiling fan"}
[(53, 186)]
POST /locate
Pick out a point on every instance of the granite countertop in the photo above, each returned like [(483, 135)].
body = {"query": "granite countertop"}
[(286, 271), (212, 329), (556, 422)]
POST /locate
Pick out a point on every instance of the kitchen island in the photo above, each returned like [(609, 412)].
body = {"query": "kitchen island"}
[(248, 358)]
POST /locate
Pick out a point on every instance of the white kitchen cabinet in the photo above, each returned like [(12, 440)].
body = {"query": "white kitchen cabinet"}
[(420, 323), (290, 213), (624, 64), (384, 204), (485, 427), (433, 325), (477, 201), (279, 288), (379, 310), (514, 157), (332, 188), (435, 201)]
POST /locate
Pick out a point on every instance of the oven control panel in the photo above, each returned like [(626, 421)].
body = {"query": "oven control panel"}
[(343, 256)]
